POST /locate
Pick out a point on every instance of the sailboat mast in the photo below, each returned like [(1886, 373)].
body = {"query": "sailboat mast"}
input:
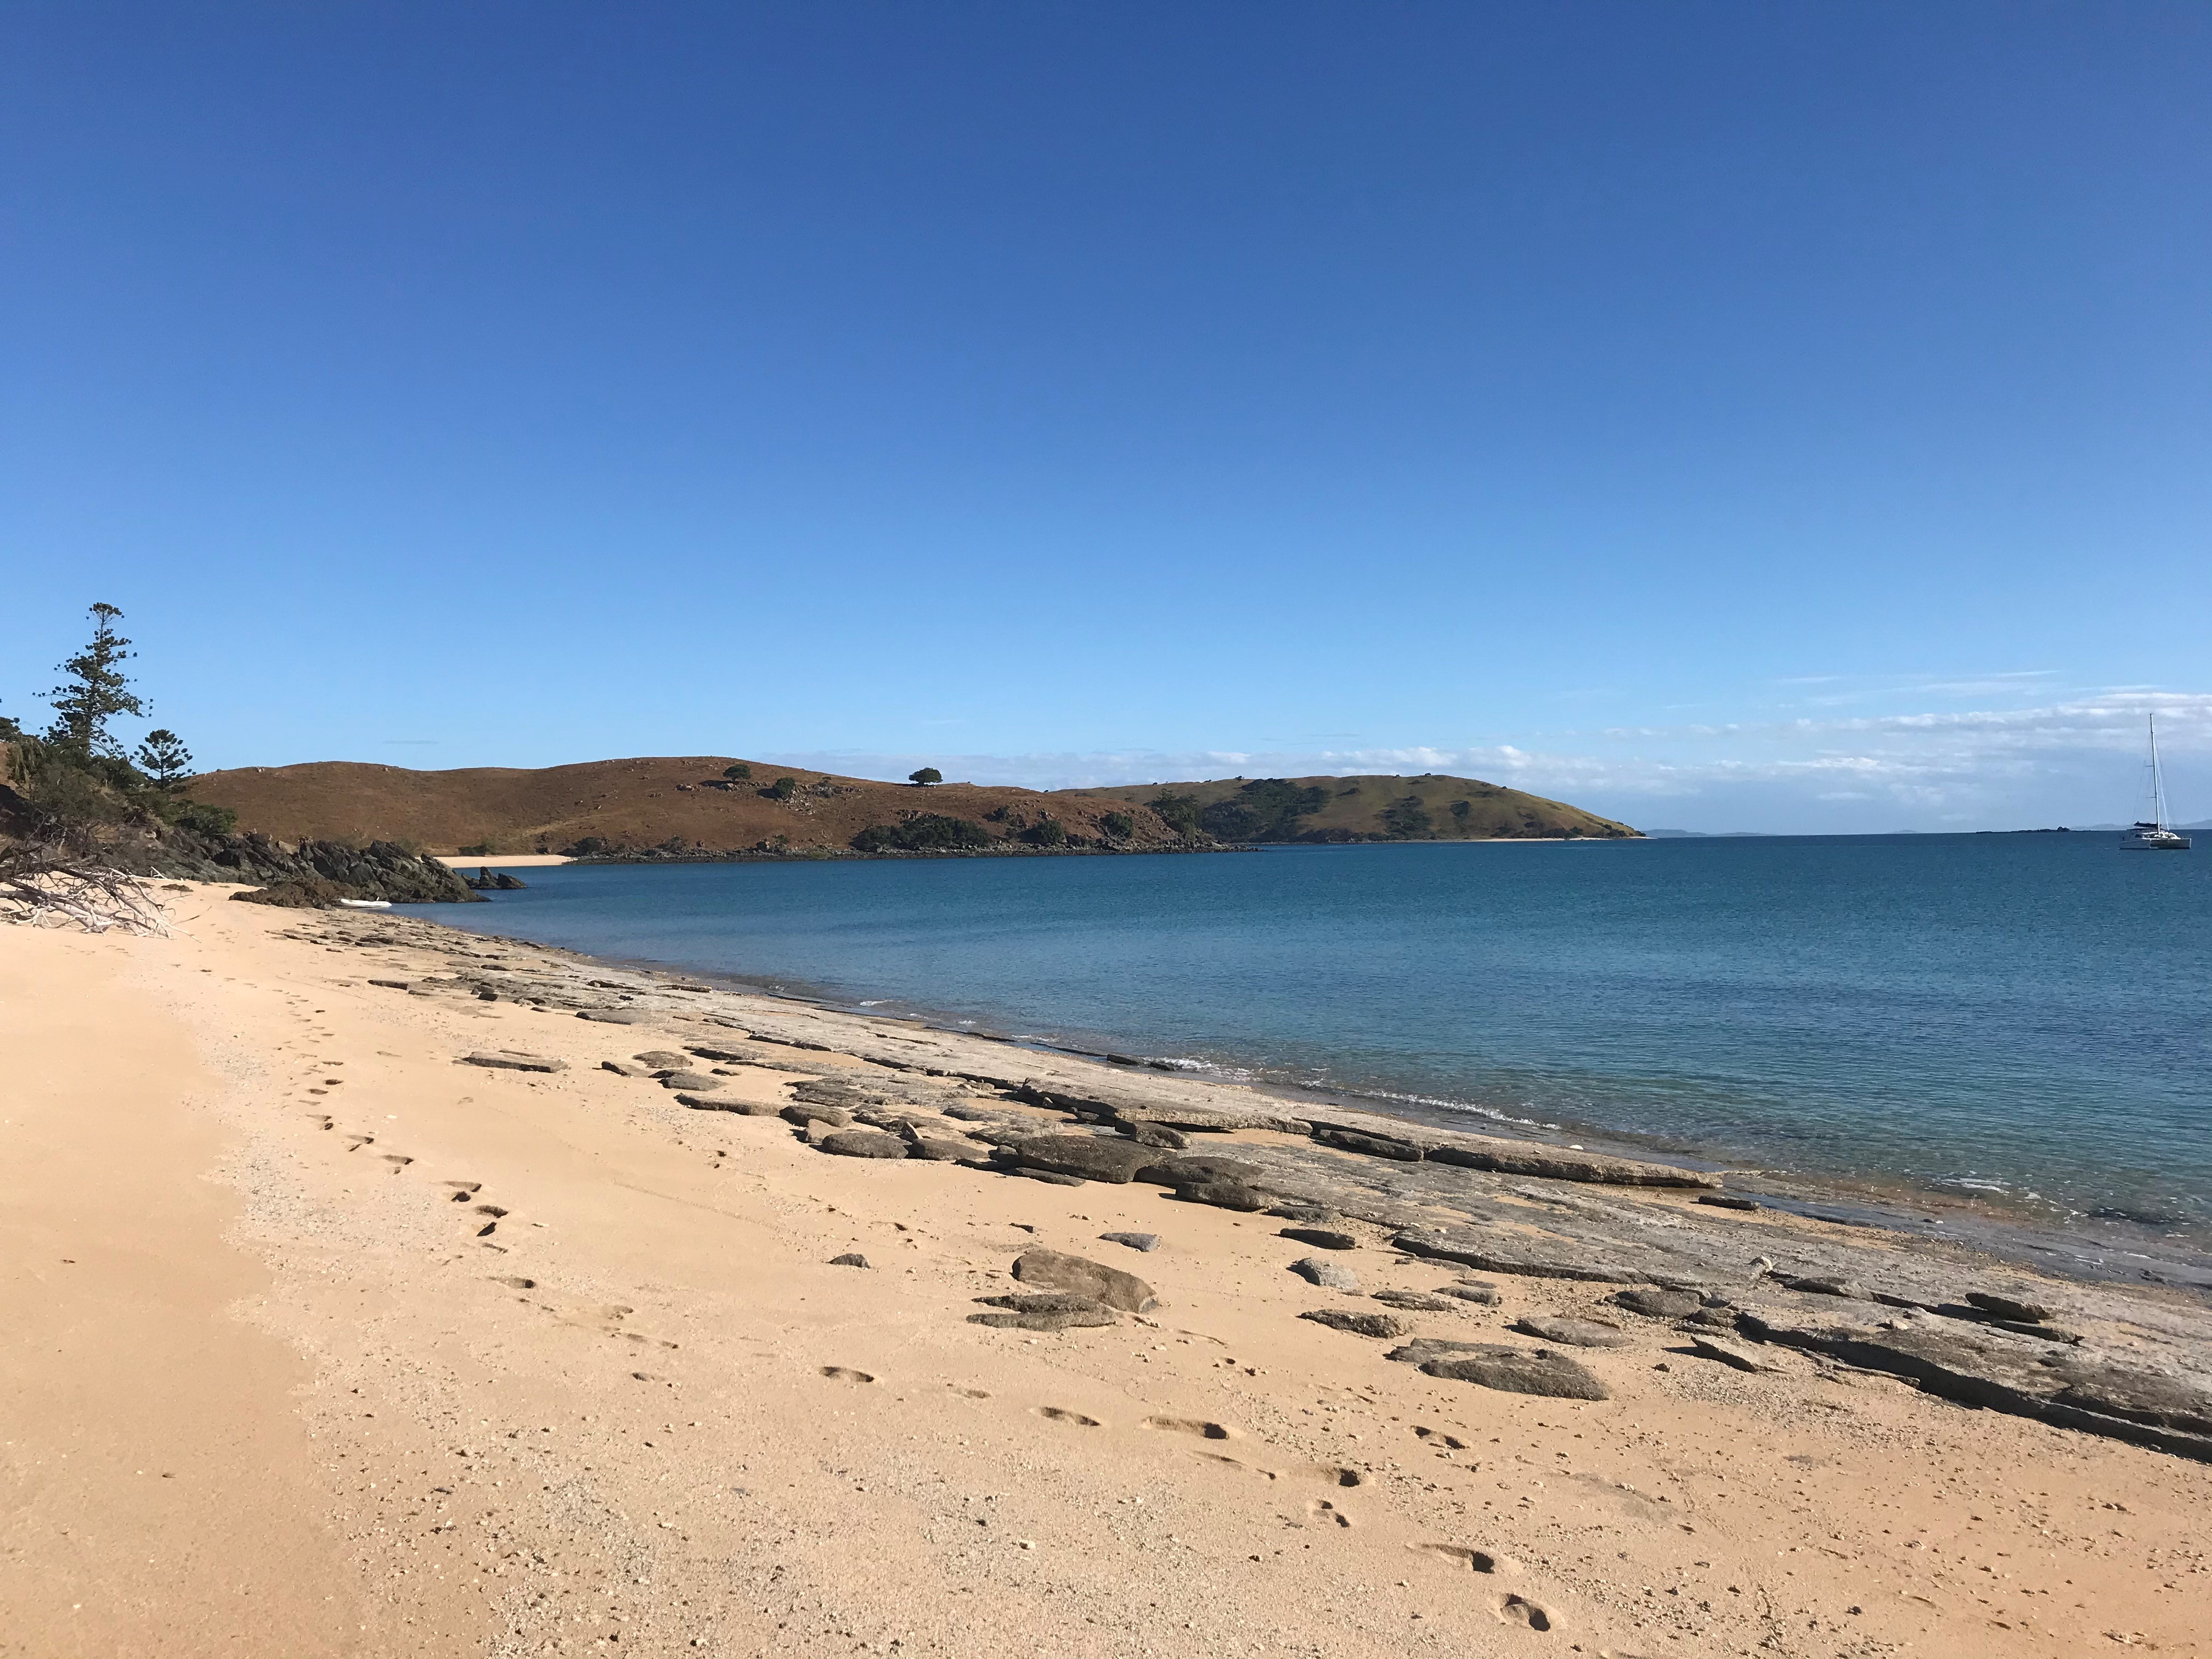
[(2157, 780)]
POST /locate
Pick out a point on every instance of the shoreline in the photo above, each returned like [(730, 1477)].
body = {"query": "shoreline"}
[(352, 1346), (2104, 1252)]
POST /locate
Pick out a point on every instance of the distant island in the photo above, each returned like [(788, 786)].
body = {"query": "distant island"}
[(714, 806)]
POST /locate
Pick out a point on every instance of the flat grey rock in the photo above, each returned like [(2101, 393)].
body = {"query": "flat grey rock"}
[(708, 1103), (1574, 1333), (1380, 1144), (1729, 1201), (2005, 1307), (1383, 1326), (1657, 1303), (1094, 1157), (1310, 1214), (1224, 1195), (1322, 1238), (850, 1259), (1418, 1302), (1730, 1353), (623, 1068), (1504, 1256), (1050, 1177), (663, 1059), (615, 1015), (835, 1116), (1519, 1370), (1423, 1349), (1146, 1242), (514, 1060), (1049, 1311), (1472, 1290), (1056, 1270), (862, 1143), (1329, 1275), (694, 1080), (934, 1150)]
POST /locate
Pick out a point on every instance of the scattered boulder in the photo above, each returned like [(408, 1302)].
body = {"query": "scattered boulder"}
[(850, 1259), (1046, 1311), (1159, 1134), (1729, 1201), (1145, 1242), (1322, 1238), (1053, 1270), (1416, 1302), (1423, 1349), (623, 1068), (802, 1114), (693, 1080), (1383, 1326), (1518, 1370), (614, 1016), (1574, 1333), (1657, 1303), (1472, 1290), (862, 1143), (663, 1059), (1329, 1275), (707, 1103), (514, 1060)]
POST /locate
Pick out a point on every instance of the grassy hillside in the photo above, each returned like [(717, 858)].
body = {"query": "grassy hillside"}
[(686, 804), (674, 805), (1429, 807)]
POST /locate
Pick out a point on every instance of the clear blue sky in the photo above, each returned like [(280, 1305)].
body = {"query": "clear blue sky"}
[(1731, 416)]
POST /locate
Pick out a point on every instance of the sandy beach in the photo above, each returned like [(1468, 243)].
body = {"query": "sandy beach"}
[(323, 1341)]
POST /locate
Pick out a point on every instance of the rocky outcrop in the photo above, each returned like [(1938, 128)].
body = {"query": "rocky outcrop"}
[(382, 870)]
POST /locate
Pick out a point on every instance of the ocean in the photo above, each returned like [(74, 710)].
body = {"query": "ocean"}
[(2024, 1021)]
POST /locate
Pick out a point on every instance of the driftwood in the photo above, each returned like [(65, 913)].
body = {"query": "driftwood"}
[(42, 891)]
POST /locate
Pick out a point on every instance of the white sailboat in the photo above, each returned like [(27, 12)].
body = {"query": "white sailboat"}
[(2154, 834)]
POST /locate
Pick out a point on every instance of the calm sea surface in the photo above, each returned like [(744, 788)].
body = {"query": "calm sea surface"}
[(2027, 1017)]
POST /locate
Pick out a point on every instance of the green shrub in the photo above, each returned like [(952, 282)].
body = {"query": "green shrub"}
[(1120, 826), (926, 776), (740, 773), (1460, 808), (205, 820), (781, 789), (1045, 832), (1406, 816), (923, 832), (1178, 812)]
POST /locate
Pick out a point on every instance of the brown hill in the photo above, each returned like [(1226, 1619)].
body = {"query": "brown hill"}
[(1369, 807), (678, 804)]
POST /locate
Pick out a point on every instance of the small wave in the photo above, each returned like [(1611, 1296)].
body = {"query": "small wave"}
[(1491, 1112), (1183, 1063), (1973, 1183), (877, 1003)]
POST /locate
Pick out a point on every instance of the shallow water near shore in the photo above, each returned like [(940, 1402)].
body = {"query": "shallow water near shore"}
[(2025, 1018)]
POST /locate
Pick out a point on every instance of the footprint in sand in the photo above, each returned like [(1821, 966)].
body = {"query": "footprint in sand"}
[(517, 1284), (397, 1161), (1061, 1414), (1520, 1610), (1192, 1426), (847, 1374), (969, 1394), (1438, 1437), (488, 1230), (1460, 1555), (491, 1210), (1322, 1511), (322, 1120), (1331, 1474), (360, 1142), (1238, 1463)]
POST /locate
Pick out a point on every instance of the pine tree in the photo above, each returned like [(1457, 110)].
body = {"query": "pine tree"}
[(164, 758), (96, 689)]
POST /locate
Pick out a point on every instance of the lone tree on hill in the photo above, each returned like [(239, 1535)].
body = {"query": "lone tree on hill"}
[(164, 758), (740, 773), (928, 774), (95, 689)]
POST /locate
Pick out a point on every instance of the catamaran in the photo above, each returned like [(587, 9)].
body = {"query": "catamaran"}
[(2154, 834)]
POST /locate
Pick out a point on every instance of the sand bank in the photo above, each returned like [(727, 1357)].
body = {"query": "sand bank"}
[(326, 1343)]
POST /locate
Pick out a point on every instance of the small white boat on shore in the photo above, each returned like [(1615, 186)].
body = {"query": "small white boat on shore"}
[(2154, 834), (367, 904)]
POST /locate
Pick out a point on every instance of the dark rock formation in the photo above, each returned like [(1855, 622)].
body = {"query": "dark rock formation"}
[(1051, 1270), (1386, 1327)]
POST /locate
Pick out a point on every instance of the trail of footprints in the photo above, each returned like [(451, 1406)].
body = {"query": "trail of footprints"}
[(607, 1318)]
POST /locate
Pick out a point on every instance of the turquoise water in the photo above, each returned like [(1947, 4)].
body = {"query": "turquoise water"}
[(2026, 1016)]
